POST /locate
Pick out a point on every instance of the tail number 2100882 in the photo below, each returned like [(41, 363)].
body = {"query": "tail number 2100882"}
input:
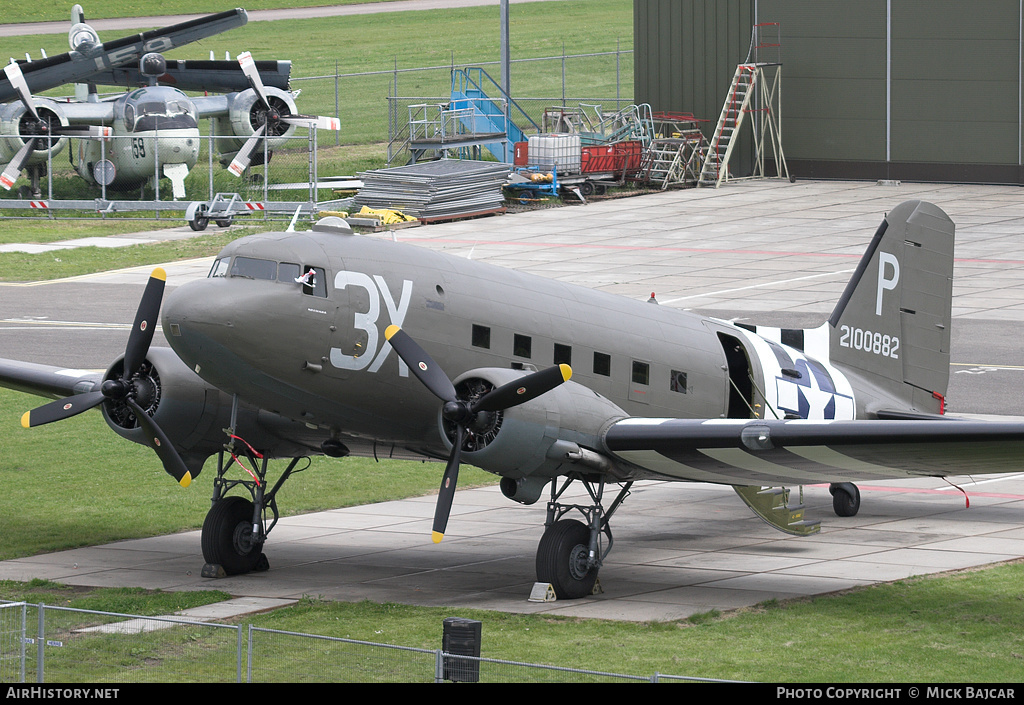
[(869, 341)]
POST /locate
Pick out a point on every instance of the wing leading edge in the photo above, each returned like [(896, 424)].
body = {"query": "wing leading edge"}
[(47, 380), (770, 452)]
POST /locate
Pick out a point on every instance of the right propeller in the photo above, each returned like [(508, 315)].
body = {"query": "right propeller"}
[(464, 413), (274, 120), (126, 389)]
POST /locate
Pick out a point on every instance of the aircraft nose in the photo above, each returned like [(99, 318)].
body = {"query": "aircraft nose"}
[(191, 316)]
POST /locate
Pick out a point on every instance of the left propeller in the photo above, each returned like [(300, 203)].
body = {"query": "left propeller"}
[(463, 414), (37, 128), (126, 388)]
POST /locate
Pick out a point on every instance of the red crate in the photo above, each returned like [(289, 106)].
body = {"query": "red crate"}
[(521, 155), (618, 157)]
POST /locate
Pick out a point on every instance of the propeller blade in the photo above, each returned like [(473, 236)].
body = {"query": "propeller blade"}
[(13, 170), (17, 79), (248, 65), (145, 323), (421, 364), (158, 441), (61, 409), (244, 156), (311, 121), (523, 390), (447, 492)]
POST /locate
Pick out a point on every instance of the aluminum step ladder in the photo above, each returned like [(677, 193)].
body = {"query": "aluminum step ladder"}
[(716, 166)]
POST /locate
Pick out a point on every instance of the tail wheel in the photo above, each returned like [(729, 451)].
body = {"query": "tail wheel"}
[(562, 559), (227, 536)]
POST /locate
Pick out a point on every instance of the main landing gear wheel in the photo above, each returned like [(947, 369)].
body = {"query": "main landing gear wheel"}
[(562, 559), (845, 498), (227, 537)]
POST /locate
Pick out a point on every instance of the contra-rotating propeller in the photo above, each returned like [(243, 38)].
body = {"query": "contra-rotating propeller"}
[(126, 388), (464, 413), (274, 122), (37, 128)]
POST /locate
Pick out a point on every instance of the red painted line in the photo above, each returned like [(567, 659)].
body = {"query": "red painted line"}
[(950, 492)]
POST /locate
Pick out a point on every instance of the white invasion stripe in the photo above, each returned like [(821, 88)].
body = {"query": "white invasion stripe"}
[(641, 421), (657, 463), (832, 458), (76, 373), (745, 461)]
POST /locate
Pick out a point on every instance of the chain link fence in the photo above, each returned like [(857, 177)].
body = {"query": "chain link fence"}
[(135, 175), (69, 645)]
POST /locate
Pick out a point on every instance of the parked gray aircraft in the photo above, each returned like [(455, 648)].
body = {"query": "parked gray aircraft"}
[(303, 343), (154, 125)]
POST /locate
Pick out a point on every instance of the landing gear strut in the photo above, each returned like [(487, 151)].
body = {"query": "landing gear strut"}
[(570, 552), (236, 528)]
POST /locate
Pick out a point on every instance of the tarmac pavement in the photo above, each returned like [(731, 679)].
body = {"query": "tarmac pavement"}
[(763, 251)]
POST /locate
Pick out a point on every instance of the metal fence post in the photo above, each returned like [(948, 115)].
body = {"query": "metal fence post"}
[(40, 643)]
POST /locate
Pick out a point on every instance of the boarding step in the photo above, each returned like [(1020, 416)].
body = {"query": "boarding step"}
[(772, 505)]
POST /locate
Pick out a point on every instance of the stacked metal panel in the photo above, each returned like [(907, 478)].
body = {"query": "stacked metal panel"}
[(437, 190)]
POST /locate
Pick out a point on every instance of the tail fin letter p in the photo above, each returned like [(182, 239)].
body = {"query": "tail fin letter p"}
[(883, 281)]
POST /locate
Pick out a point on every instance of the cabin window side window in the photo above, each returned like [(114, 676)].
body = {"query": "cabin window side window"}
[(481, 337), (563, 354), (522, 346), (641, 373), (602, 364)]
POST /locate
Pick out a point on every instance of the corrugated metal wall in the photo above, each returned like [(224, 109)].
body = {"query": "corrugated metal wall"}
[(900, 89)]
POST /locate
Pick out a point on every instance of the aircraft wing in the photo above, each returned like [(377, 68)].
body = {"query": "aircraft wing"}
[(777, 452), (47, 380), (213, 76), (92, 57)]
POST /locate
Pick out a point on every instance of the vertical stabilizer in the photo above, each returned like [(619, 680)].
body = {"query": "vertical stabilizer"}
[(891, 328)]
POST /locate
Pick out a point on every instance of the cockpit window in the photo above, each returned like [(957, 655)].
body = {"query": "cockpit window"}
[(288, 272), (314, 281), (220, 267), (160, 115), (253, 268)]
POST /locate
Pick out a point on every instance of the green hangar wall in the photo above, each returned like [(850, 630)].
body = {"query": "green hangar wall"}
[(916, 90)]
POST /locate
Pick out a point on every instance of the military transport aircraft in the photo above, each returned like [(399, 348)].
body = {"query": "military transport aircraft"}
[(325, 342), (156, 124)]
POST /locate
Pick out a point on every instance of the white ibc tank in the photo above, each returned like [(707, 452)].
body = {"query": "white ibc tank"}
[(561, 151)]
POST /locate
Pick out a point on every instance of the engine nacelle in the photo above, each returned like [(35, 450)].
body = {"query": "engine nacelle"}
[(17, 126), (537, 439), (192, 412), (246, 114)]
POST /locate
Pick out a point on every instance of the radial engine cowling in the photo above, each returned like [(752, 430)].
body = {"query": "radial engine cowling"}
[(247, 113), (532, 439), (17, 126)]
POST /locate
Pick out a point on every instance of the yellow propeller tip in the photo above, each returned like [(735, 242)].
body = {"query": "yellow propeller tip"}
[(160, 274), (436, 536), (25, 419), (566, 372), (390, 331), (186, 480)]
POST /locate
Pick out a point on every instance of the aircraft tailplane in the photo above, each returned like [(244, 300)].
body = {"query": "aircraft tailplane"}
[(891, 327)]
